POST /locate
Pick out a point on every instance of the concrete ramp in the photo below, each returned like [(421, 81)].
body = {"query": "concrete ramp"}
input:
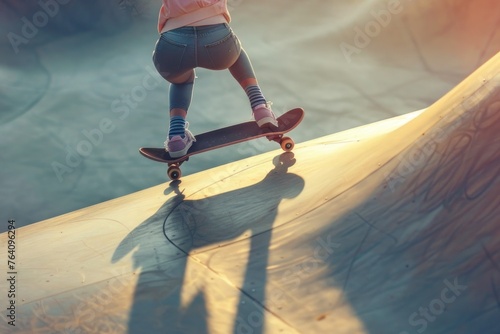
[(388, 228)]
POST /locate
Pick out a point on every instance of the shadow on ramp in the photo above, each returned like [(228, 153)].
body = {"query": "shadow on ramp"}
[(414, 246), (170, 294)]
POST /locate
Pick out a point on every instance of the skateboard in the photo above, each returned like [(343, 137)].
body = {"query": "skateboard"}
[(229, 136)]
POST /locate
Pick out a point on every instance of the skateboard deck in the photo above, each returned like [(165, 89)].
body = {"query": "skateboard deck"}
[(229, 136)]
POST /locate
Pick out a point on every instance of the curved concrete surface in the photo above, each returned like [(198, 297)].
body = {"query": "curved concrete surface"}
[(87, 64), (387, 228)]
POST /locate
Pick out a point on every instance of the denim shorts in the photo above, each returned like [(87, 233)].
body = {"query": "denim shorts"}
[(177, 51)]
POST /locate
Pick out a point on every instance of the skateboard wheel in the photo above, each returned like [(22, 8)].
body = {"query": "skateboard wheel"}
[(287, 144), (174, 173)]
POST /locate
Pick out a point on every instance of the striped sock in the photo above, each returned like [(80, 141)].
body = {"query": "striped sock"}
[(177, 127), (255, 95)]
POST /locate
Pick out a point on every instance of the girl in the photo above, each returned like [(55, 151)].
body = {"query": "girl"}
[(195, 33)]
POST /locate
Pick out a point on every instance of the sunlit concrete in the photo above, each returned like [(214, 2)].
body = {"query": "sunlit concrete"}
[(387, 228), (89, 70)]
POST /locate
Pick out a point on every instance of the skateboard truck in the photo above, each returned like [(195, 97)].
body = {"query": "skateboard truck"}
[(286, 143), (174, 169)]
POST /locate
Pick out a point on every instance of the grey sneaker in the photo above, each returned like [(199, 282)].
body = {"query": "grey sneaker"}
[(178, 146), (264, 116)]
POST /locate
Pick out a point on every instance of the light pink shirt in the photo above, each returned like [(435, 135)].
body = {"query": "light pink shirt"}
[(180, 13)]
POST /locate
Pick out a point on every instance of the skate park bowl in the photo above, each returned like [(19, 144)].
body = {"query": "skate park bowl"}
[(389, 226)]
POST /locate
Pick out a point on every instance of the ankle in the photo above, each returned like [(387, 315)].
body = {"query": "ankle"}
[(177, 127), (255, 96)]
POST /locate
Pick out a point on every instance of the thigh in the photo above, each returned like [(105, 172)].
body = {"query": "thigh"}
[(173, 55), (218, 49)]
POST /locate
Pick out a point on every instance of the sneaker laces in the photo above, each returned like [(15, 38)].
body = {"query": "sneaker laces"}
[(268, 105), (189, 134)]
